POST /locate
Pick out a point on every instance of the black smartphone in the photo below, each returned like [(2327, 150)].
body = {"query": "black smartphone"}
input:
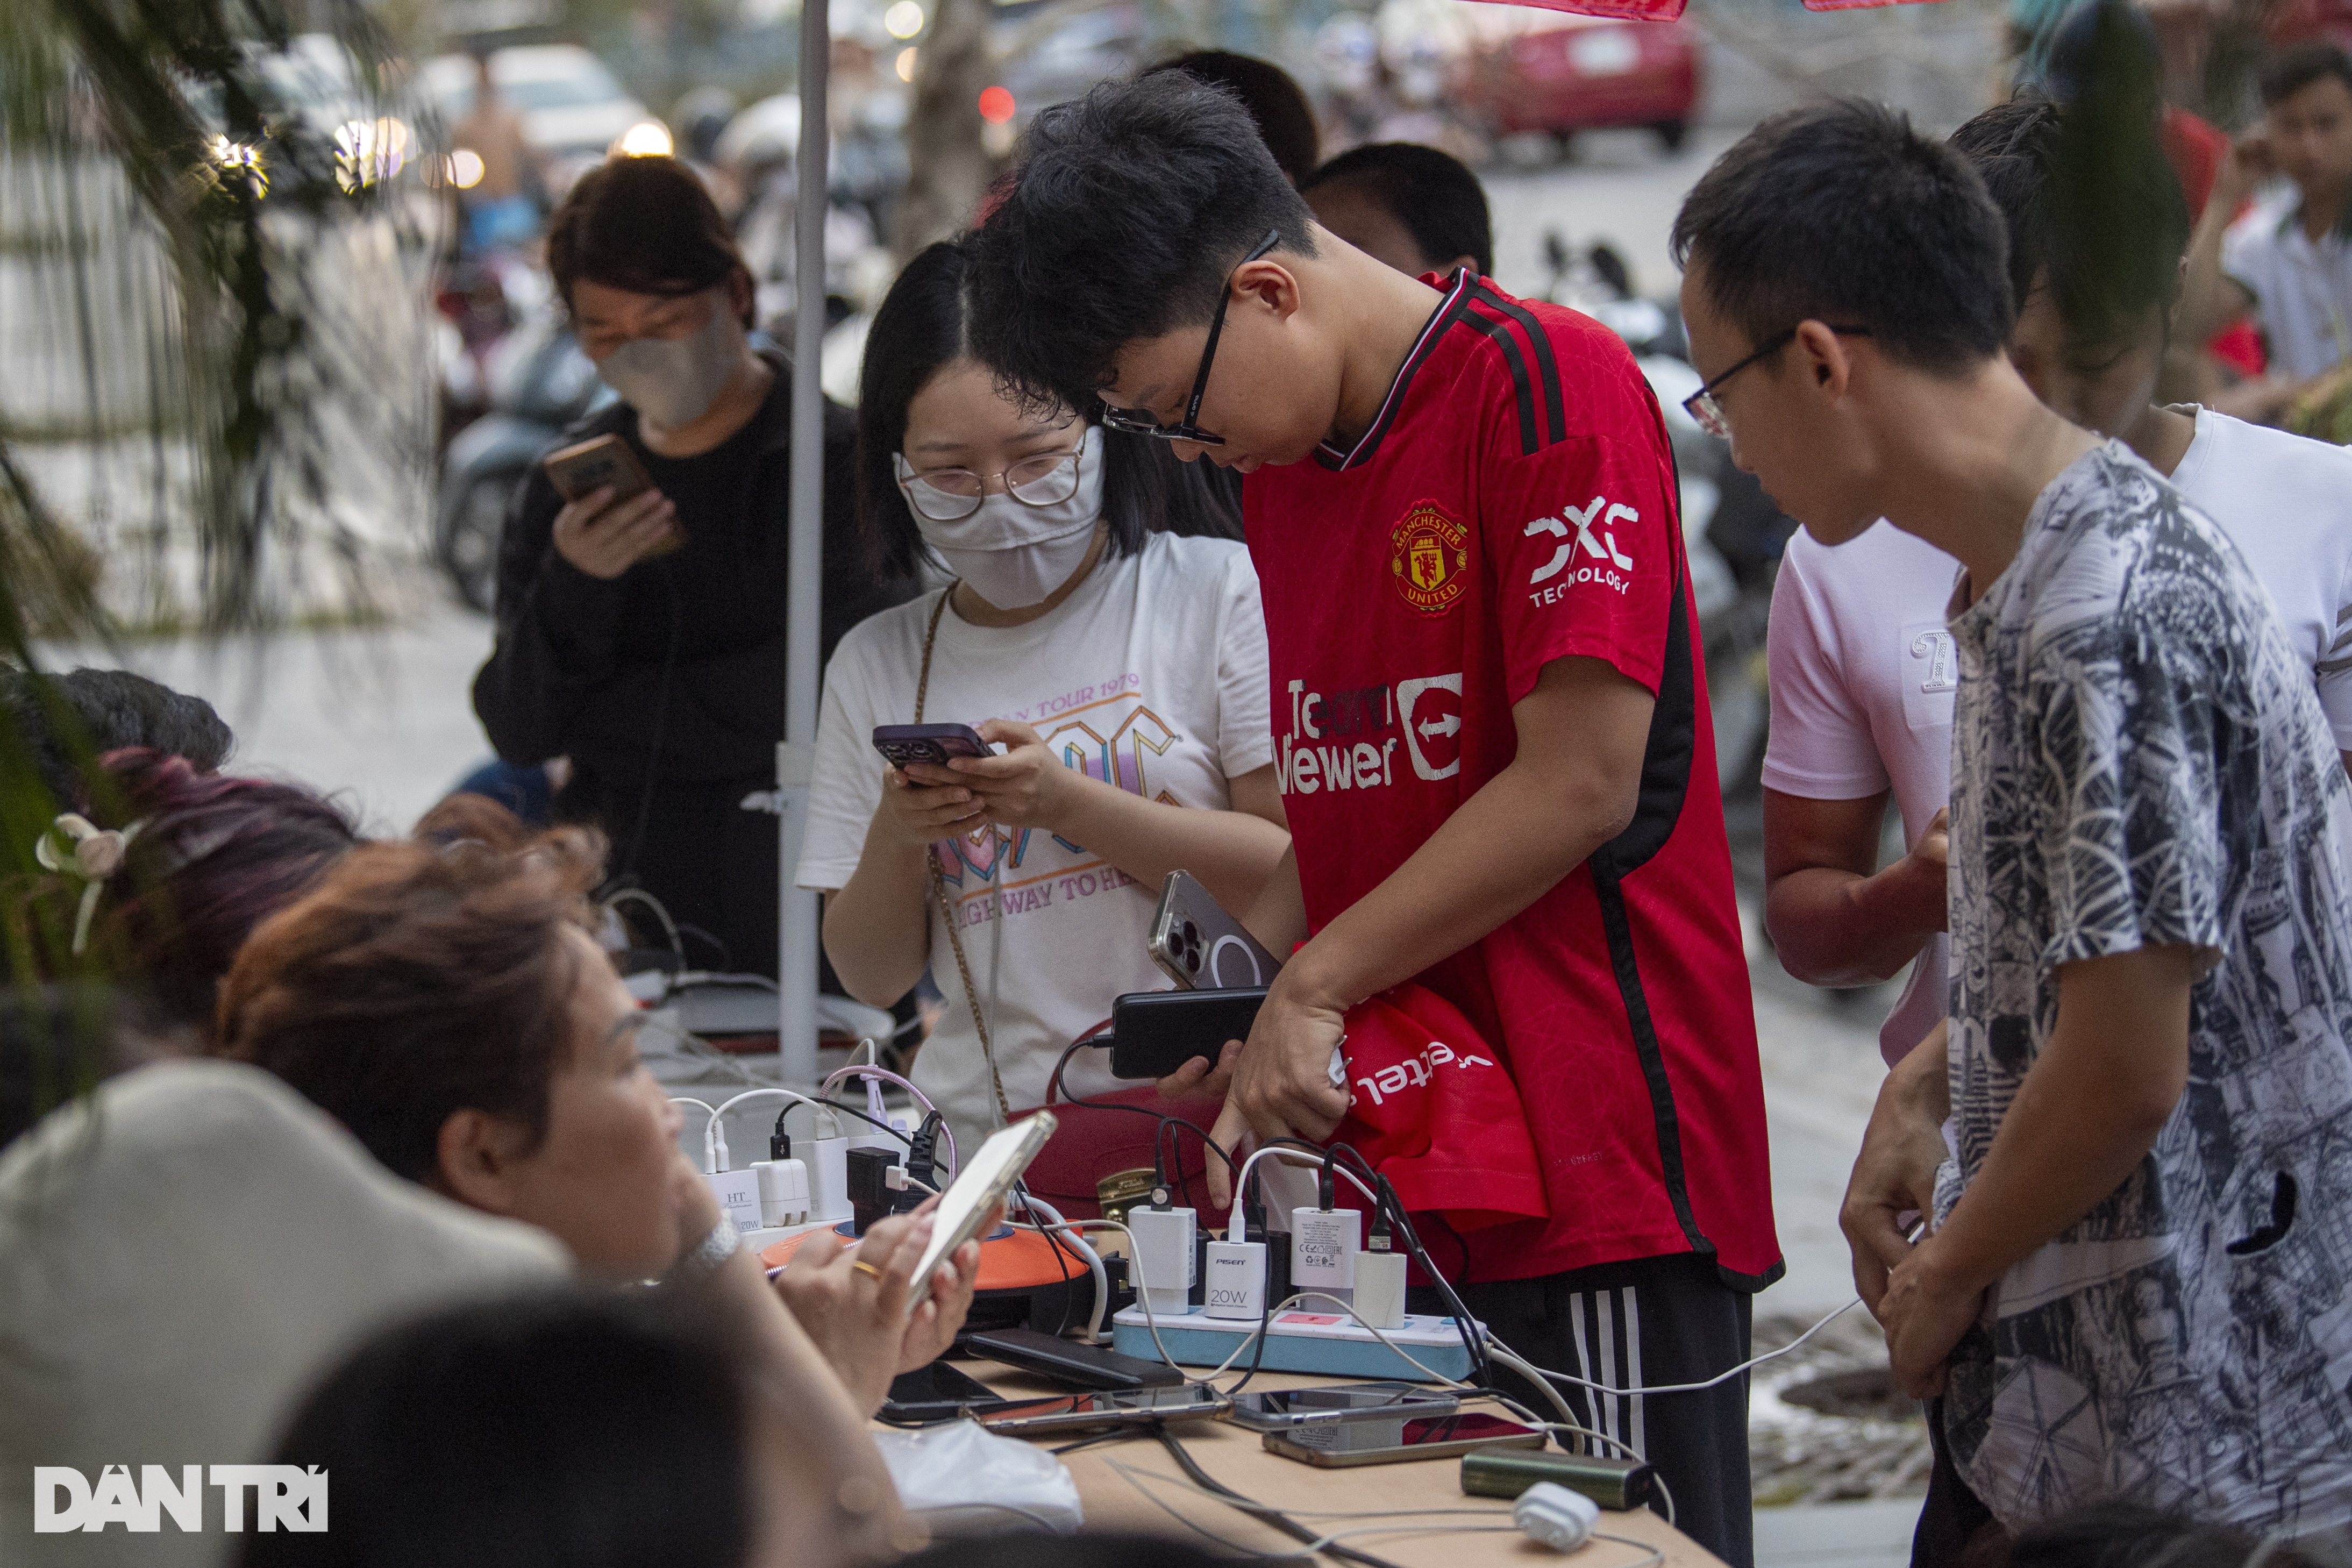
[(1343, 1444), (1066, 1361), (1153, 1033), (1118, 1407), (936, 1392), (934, 743)]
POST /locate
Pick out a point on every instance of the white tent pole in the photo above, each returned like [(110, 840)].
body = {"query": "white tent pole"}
[(796, 756)]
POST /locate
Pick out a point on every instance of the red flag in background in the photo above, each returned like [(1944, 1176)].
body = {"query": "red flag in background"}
[(1668, 10)]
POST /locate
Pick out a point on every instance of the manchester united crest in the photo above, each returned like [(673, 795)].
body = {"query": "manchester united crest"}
[(1429, 560)]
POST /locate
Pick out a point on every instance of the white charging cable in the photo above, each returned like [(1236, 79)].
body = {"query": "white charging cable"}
[(1233, 1229), (1085, 1249), (708, 1155), (714, 1136), (1718, 1379)]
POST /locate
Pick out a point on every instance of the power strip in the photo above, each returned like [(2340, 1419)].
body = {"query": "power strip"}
[(1329, 1342)]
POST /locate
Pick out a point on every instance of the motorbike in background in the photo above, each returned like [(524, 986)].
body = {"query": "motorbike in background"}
[(537, 385)]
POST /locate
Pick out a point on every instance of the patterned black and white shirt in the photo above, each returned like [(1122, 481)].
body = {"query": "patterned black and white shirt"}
[(2138, 760)]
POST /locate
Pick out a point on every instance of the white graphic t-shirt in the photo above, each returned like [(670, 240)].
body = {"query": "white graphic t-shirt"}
[(1152, 675), (2140, 758)]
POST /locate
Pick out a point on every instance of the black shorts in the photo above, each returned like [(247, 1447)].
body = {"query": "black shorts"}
[(1643, 1323)]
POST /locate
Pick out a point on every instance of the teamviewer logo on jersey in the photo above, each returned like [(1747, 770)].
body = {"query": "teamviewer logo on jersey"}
[(1431, 708), (1604, 564), (285, 1497)]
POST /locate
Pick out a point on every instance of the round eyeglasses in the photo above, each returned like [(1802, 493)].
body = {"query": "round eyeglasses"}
[(951, 495)]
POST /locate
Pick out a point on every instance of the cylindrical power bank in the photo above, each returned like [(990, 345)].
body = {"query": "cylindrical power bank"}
[(1621, 1484)]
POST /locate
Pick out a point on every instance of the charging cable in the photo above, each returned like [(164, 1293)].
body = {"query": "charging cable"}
[(875, 1075), (714, 1135), (708, 1153), (1717, 1380), (1150, 1320), (1298, 1156), (1033, 1204), (1099, 1040)]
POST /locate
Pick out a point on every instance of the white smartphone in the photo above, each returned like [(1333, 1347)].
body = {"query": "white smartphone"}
[(986, 1177), (1201, 947)]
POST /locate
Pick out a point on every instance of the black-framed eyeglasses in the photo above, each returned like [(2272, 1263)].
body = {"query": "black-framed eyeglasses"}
[(1141, 422), (1701, 405)]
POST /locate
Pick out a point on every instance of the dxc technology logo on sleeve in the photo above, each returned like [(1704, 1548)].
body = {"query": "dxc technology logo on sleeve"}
[(285, 1497)]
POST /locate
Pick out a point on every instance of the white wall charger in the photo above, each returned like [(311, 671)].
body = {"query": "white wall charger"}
[(737, 1193), (1323, 1247), (1237, 1282), (828, 1178), (1380, 1289), (1555, 1517), (783, 1192), (1165, 1258)]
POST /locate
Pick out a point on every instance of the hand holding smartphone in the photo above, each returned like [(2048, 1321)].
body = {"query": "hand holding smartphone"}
[(634, 524), (974, 1195), (933, 743), (1153, 1033)]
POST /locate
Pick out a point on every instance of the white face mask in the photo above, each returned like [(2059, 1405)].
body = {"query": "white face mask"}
[(673, 382), (1011, 554)]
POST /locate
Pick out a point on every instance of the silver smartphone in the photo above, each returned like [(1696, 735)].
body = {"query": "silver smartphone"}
[(1284, 1409), (1201, 947), (1116, 1408), (1353, 1443)]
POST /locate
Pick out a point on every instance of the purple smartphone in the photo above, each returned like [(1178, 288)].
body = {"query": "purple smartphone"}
[(934, 743)]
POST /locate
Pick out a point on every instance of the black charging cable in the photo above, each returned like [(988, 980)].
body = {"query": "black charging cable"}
[(1053, 1088), (1063, 1256)]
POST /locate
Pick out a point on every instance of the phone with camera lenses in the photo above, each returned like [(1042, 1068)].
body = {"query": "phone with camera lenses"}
[(934, 743), (1201, 947)]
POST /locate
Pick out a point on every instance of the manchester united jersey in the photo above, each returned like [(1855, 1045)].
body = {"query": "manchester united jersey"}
[(1513, 503)]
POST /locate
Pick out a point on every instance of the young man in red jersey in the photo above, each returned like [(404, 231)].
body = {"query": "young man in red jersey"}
[(1491, 722)]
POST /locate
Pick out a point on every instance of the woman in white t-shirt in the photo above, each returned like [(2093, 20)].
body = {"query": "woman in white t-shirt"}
[(1116, 655)]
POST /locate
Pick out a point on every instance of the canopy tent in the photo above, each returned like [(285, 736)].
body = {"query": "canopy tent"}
[(796, 754)]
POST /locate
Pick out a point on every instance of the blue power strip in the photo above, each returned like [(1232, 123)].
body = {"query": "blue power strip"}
[(1331, 1343)]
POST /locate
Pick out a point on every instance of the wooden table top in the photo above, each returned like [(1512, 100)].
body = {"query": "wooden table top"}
[(1142, 1498)]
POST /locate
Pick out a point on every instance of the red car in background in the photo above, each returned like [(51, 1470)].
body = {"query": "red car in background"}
[(1546, 71)]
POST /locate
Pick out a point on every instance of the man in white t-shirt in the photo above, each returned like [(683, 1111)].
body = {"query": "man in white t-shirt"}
[(1864, 667)]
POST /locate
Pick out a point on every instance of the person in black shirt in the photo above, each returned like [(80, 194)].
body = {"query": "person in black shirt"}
[(645, 639)]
